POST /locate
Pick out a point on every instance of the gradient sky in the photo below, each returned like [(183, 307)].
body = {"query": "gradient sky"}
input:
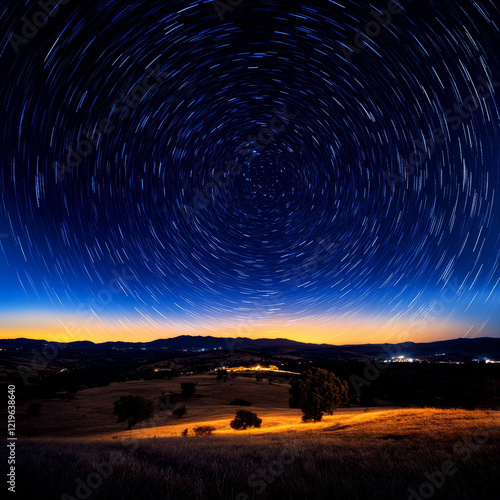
[(186, 215)]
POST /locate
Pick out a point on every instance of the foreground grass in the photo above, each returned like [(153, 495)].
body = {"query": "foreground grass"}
[(374, 455)]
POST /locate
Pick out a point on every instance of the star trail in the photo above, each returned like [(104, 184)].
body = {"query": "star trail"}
[(316, 170)]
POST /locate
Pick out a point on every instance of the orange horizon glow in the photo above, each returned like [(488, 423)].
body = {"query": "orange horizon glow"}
[(335, 331)]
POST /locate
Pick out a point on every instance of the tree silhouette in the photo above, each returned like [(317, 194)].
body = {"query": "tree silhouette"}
[(244, 419), (240, 402), (188, 388), (179, 412), (134, 409), (316, 392)]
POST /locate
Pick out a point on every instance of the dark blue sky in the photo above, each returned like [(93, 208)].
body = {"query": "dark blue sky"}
[(274, 173)]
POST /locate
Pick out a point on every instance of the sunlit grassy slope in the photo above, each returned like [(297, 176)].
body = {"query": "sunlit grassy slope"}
[(353, 454), (349, 423), (374, 455), (90, 414)]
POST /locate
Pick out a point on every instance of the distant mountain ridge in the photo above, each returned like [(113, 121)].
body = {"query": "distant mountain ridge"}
[(483, 346)]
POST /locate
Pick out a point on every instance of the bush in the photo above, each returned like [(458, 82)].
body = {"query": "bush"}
[(204, 430), (188, 388), (221, 375), (185, 432), (240, 402), (133, 409), (244, 419), (179, 412)]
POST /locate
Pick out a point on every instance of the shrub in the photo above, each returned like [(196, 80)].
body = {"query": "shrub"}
[(240, 402), (221, 375), (179, 412), (244, 419), (133, 409), (188, 388), (204, 430), (185, 432)]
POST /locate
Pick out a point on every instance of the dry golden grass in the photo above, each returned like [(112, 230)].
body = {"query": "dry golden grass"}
[(93, 408), (374, 455), (352, 454), (349, 422)]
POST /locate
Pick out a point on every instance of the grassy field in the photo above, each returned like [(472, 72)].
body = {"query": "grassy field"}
[(93, 408), (77, 449)]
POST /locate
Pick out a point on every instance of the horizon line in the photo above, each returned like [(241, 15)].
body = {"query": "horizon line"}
[(247, 338)]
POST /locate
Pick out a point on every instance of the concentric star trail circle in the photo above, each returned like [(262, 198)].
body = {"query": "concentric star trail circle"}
[(277, 167)]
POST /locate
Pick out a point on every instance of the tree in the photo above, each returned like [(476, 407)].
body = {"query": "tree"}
[(179, 412), (188, 388), (133, 409), (204, 430), (244, 419), (316, 392), (240, 402)]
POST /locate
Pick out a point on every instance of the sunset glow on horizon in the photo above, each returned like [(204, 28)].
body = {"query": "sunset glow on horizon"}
[(340, 331), (229, 181)]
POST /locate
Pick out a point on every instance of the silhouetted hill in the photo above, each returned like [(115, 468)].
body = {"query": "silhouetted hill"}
[(462, 347)]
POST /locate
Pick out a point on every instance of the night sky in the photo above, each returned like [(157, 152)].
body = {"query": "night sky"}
[(274, 169)]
